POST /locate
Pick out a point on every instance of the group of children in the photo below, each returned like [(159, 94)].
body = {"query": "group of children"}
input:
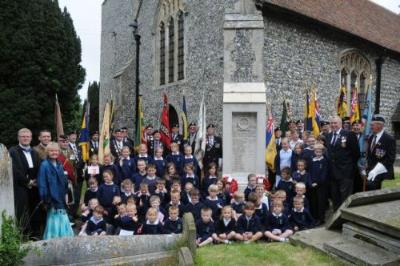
[(150, 194)]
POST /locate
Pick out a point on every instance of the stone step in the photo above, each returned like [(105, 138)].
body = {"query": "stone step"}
[(361, 253), (156, 258), (351, 231), (383, 217)]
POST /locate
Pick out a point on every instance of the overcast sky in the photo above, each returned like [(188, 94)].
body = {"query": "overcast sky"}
[(87, 20)]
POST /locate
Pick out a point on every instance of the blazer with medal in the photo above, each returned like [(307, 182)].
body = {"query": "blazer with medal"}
[(214, 151), (383, 152), (344, 153)]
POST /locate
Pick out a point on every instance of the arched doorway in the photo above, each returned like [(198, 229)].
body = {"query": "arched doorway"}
[(173, 116)]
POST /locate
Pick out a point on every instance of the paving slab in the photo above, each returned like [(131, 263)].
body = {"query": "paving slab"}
[(383, 217), (315, 238), (352, 230), (362, 198), (361, 253)]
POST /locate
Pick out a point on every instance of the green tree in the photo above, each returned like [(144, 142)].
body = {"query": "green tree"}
[(40, 56), (93, 98)]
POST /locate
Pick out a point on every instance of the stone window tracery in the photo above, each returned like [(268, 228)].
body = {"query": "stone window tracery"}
[(170, 44), (355, 70)]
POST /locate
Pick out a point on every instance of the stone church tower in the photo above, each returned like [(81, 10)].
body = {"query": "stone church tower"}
[(305, 41)]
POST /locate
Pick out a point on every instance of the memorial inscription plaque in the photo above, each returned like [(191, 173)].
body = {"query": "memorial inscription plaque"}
[(244, 140)]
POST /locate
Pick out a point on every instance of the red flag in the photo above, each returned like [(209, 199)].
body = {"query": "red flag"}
[(165, 129)]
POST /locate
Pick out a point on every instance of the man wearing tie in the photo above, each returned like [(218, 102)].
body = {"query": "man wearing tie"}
[(343, 153), (154, 143), (381, 154), (213, 152), (191, 141), (117, 143), (25, 165), (94, 143), (176, 137)]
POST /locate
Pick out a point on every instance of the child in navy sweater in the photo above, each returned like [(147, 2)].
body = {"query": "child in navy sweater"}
[(301, 190), (223, 193), (151, 178), (248, 227), (152, 226), (173, 224), (96, 225), (251, 186), (176, 157), (300, 217), (127, 190), (238, 204), (286, 183), (190, 176), (205, 230), (161, 192), (159, 162), (143, 200), (301, 175), (225, 227), (126, 164), (188, 158), (175, 196), (277, 224), (109, 165), (141, 173), (195, 205), (91, 192), (106, 193), (319, 184), (260, 208), (213, 202), (142, 155), (129, 223), (209, 179)]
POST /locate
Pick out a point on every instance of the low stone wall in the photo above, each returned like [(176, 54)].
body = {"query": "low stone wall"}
[(88, 250)]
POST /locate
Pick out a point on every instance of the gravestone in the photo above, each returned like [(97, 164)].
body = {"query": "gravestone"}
[(365, 230), (6, 183), (244, 98)]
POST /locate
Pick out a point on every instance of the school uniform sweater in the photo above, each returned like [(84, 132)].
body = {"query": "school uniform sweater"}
[(173, 227)]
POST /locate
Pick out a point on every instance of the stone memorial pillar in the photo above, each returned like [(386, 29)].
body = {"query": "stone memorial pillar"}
[(6, 183), (244, 98)]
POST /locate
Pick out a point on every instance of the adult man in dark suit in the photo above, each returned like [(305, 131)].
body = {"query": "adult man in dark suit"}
[(213, 153), (343, 153), (381, 154), (94, 143), (25, 165), (176, 137), (154, 143), (117, 143), (127, 139), (191, 140)]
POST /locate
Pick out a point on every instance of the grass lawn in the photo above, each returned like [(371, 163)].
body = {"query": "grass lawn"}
[(261, 254), (392, 183)]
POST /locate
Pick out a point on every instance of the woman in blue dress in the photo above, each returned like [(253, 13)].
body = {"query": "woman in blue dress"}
[(53, 189)]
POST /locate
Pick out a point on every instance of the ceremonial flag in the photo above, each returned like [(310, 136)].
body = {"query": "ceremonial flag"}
[(200, 147), (104, 142), (270, 149), (84, 138), (139, 124), (58, 119), (342, 108), (366, 123), (311, 113), (184, 116), (355, 107), (165, 128), (284, 118)]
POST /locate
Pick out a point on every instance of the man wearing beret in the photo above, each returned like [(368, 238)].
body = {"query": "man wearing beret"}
[(381, 154), (191, 140), (176, 137), (213, 152), (94, 143)]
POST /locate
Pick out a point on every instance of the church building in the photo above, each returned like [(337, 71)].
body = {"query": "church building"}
[(324, 42)]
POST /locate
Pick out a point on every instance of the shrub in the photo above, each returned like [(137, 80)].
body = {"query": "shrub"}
[(11, 251)]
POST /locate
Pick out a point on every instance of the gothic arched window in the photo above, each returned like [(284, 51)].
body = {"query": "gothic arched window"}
[(181, 50), (162, 53), (171, 50), (170, 44), (355, 70)]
